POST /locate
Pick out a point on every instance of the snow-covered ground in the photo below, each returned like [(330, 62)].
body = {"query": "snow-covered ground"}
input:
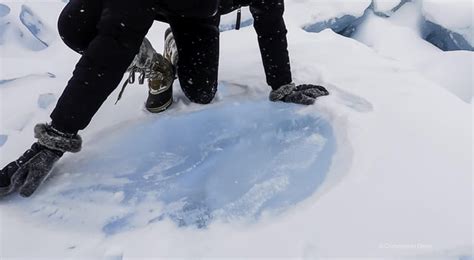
[(380, 168)]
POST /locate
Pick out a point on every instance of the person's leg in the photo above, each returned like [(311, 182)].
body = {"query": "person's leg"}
[(121, 30), (77, 23), (122, 26), (271, 31), (197, 41)]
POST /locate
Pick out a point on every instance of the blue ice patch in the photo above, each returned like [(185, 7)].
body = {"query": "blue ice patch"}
[(226, 162)]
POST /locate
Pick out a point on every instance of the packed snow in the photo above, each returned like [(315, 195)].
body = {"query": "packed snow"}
[(386, 6), (380, 168)]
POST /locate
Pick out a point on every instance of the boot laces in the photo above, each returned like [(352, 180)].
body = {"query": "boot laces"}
[(145, 65), (146, 71)]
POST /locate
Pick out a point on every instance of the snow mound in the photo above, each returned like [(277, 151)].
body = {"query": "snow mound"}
[(448, 30), (162, 167), (389, 36), (456, 16), (388, 6), (4, 10), (37, 28), (21, 26)]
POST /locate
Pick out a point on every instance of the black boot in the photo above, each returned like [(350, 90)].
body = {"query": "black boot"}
[(33, 167), (160, 95), (160, 84), (159, 71)]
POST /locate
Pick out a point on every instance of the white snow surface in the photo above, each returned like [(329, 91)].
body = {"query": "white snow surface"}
[(390, 37), (380, 168), (386, 5), (303, 12)]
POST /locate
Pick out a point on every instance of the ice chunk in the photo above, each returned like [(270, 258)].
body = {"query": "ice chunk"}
[(436, 27), (445, 39), (21, 27), (341, 17), (34, 24), (455, 16), (345, 25)]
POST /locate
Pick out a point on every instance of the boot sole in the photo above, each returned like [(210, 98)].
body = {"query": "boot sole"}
[(159, 109)]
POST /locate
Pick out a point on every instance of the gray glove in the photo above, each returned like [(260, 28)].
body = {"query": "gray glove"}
[(302, 94), (29, 171), (33, 167)]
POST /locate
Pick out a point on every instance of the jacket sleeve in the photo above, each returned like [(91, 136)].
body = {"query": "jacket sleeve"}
[(271, 31)]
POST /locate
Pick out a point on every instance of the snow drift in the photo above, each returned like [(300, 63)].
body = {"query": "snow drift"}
[(21, 26), (447, 26)]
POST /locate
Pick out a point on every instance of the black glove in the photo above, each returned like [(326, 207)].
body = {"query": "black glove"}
[(302, 94), (33, 167), (29, 171)]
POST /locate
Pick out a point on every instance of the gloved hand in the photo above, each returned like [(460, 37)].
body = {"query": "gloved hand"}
[(29, 171), (302, 94), (33, 167)]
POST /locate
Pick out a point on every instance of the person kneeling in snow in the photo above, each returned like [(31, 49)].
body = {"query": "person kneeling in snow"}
[(110, 36)]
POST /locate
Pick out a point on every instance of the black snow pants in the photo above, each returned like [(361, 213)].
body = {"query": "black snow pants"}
[(108, 35)]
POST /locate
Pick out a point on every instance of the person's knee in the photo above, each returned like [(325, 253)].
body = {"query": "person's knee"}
[(198, 82), (127, 30), (203, 98), (70, 35), (200, 95)]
